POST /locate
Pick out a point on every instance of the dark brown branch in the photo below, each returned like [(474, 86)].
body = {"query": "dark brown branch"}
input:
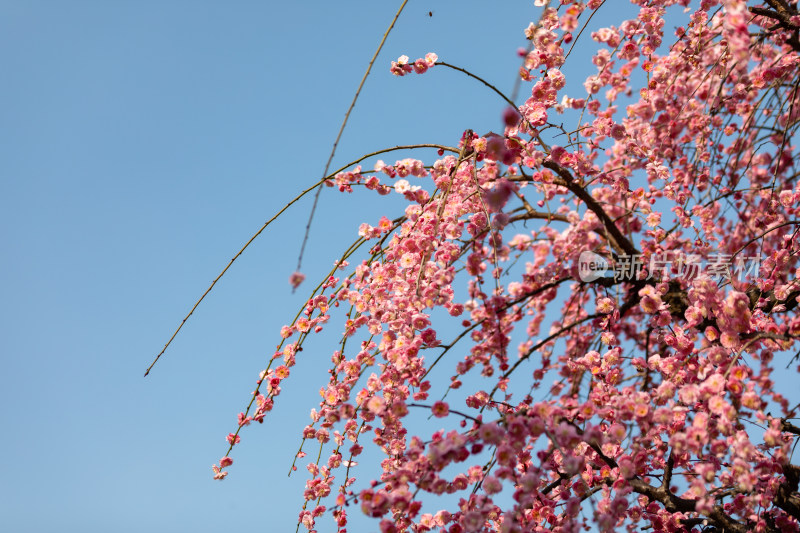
[(782, 13), (531, 213), (788, 427), (554, 483), (667, 481), (673, 503), (617, 239), (787, 497)]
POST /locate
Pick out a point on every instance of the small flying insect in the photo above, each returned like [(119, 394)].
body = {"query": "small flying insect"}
[(430, 13)]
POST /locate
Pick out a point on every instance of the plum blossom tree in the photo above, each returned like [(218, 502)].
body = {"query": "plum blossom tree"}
[(594, 313)]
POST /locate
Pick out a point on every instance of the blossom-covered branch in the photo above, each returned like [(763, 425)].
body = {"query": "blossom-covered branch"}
[(618, 292)]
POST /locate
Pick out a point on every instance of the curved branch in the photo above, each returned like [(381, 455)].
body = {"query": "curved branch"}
[(618, 240), (478, 78), (271, 220), (341, 130)]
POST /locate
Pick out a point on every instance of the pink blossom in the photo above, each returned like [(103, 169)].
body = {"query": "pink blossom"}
[(440, 409), (376, 405), (497, 197), (402, 186), (218, 473), (492, 485), (510, 117), (296, 279), (650, 300), (401, 66), (408, 260), (535, 113), (618, 131), (605, 305)]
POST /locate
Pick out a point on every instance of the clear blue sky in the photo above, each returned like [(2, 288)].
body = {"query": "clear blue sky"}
[(141, 144)]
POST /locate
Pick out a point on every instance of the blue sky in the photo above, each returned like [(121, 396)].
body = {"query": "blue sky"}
[(142, 144)]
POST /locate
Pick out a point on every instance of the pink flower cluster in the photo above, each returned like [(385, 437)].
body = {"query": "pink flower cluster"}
[(401, 67), (647, 402)]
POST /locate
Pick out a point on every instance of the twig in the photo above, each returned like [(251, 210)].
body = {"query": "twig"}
[(341, 130), (271, 220)]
